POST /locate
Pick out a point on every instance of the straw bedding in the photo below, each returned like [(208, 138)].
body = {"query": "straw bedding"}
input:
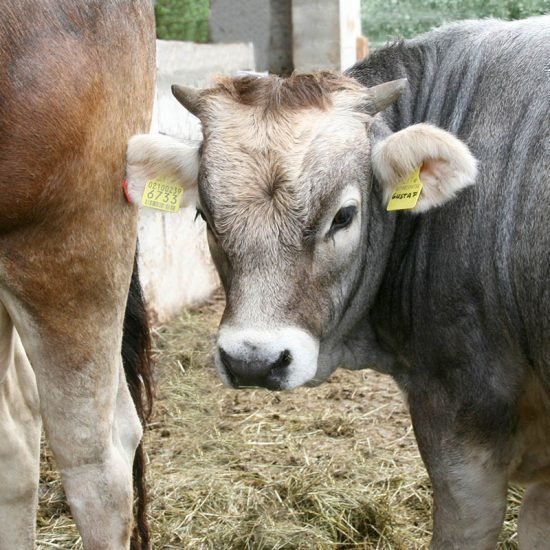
[(334, 467)]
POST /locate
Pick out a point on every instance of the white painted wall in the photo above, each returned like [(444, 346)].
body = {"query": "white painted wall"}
[(175, 266)]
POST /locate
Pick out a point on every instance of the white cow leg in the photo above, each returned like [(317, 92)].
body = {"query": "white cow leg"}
[(72, 333), (469, 505), (20, 428), (91, 425), (127, 429), (100, 491), (469, 486), (93, 436), (534, 518)]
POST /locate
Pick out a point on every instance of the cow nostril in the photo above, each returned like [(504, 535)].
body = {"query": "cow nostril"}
[(254, 371), (226, 359), (283, 361)]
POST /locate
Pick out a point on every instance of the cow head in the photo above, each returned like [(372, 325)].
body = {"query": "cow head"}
[(297, 225)]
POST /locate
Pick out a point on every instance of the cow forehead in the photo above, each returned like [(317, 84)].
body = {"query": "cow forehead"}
[(264, 175), (233, 125)]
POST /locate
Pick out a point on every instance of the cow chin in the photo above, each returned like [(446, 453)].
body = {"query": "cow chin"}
[(276, 359)]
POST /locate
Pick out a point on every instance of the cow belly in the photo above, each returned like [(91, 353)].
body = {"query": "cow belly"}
[(533, 457), (20, 429)]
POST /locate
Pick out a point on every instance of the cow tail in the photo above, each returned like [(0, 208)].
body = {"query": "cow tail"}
[(136, 358)]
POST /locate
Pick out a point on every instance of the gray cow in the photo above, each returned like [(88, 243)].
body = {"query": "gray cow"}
[(448, 294)]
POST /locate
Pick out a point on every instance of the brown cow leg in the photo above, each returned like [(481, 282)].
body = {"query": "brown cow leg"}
[(534, 518), (20, 427)]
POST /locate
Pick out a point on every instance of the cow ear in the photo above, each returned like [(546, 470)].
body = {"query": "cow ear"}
[(446, 164), (152, 156)]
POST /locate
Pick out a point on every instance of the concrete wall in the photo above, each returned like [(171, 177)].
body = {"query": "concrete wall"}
[(265, 23), (325, 33), (305, 35), (316, 34), (176, 269)]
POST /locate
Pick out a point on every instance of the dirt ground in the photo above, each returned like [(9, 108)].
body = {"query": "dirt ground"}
[(329, 467)]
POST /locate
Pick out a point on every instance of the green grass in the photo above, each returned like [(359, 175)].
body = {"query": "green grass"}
[(385, 20), (182, 20)]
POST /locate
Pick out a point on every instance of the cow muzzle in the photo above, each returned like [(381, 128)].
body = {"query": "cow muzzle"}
[(277, 359)]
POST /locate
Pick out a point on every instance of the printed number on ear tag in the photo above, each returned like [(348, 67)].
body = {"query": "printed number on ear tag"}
[(162, 194), (406, 194)]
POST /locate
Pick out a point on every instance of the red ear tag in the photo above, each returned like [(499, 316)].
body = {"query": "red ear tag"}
[(125, 189)]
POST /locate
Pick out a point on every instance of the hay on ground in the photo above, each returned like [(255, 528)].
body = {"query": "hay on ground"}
[(322, 468)]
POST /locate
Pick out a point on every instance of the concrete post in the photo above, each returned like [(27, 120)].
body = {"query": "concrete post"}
[(325, 33), (265, 23)]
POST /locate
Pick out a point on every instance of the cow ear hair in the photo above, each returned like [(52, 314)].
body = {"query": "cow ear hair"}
[(150, 156), (446, 164)]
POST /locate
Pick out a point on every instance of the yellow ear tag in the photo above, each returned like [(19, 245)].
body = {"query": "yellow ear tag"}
[(162, 194), (406, 194)]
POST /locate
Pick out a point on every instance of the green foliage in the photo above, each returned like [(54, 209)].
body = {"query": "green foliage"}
[(182, 19), (385, 20)]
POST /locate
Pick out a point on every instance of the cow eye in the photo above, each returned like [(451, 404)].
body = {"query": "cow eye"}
[(343, 218)]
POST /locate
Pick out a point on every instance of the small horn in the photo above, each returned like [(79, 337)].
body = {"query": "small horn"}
[(383, 95), (189, 97)]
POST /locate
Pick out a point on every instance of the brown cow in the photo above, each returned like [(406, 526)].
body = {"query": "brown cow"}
[(76, 80)]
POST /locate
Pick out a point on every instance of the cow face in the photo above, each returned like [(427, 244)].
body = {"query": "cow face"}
[(295, 225)]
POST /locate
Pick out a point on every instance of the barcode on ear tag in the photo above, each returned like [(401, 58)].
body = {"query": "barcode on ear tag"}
[(406, 194), (162, 194)]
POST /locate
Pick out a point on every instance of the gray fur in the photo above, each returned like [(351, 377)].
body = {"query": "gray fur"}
[(479, 294), (464, 305)]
